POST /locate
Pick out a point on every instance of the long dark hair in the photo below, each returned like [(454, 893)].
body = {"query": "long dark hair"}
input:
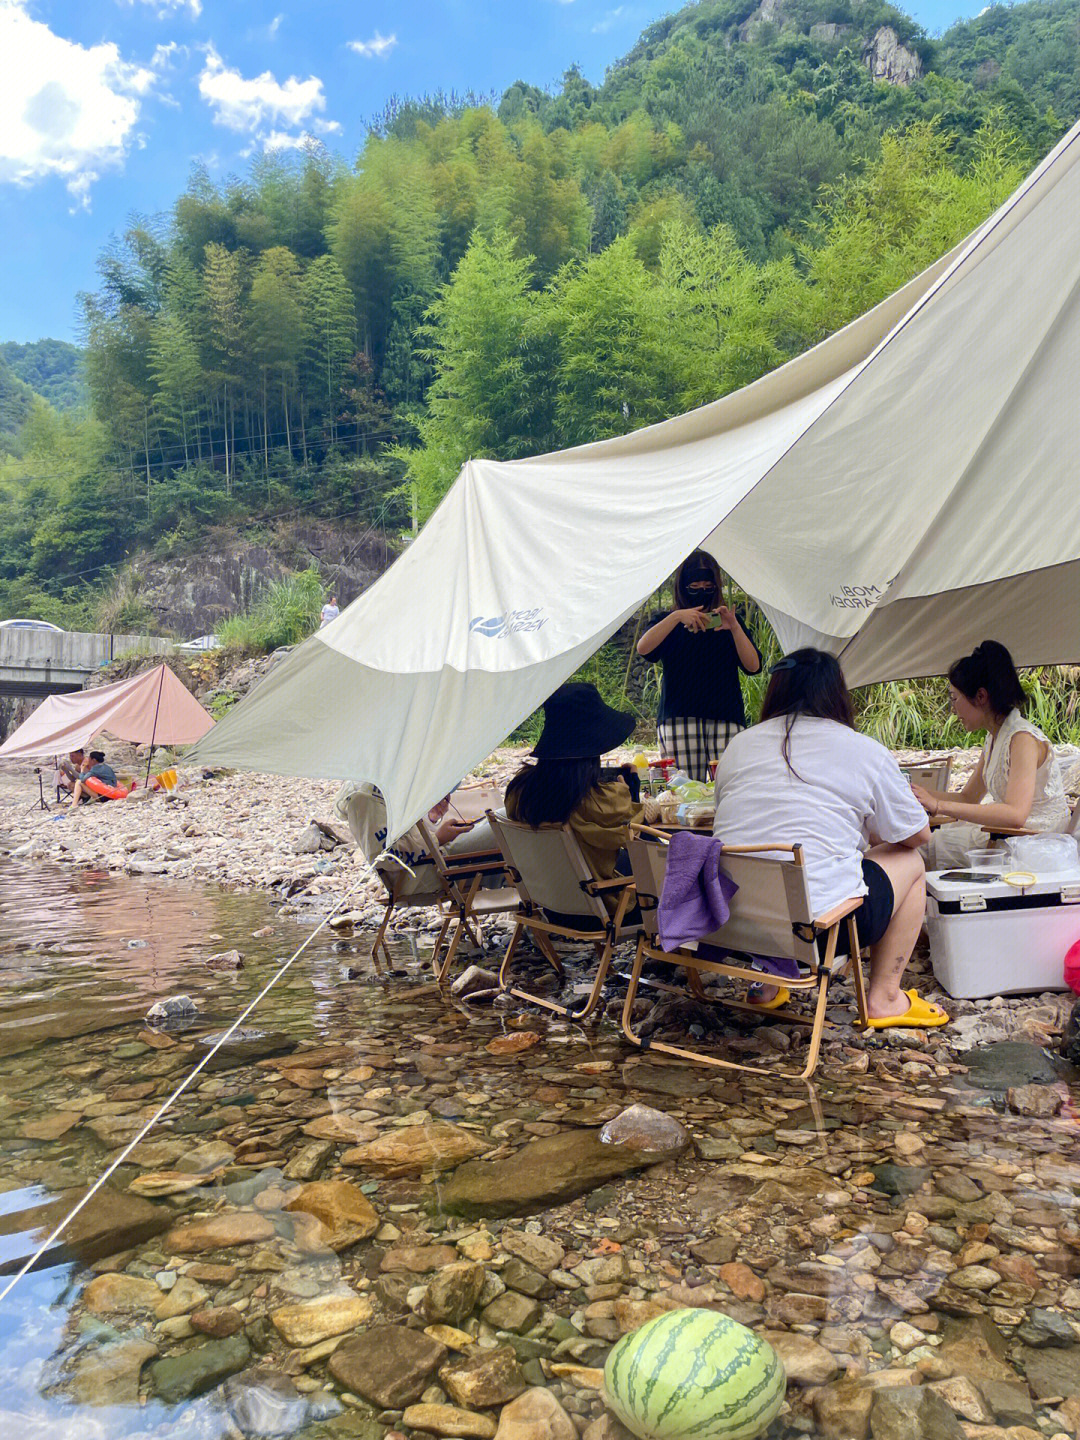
[(547, 792), (696, 561), (990, 667), (807, 682)]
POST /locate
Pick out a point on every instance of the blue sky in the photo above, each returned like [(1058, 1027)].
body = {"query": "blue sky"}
[(104, 104)]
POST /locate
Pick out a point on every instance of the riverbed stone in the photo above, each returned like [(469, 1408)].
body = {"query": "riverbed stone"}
[(1047, 1327), (244, 1047), (1010, 1404), (110, 1222), (416, 1148), (1051, 1371), (805, 1362), (1009, 1064), (194, 1372), (449, 1420), (539, 1251), (842, 1410), (975, 1347), (310, 1321), (418, 1259), (220, 1232), (344, 1211), (912, 1412), (512, 1311), (535, 1415), (547, 1172), (120, 1295), (387, 1365), (453, 1293), (490, 1377), (108, 1374)]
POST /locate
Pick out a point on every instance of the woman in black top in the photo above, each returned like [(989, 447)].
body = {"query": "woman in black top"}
[(701, 646)]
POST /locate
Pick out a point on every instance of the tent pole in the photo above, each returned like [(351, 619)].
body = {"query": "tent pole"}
[(153, 732)]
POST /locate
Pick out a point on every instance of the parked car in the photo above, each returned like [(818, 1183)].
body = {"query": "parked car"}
[(31, 625), (204, 642)]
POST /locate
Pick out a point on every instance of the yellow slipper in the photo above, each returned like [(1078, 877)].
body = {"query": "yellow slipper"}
[(920, 1015)]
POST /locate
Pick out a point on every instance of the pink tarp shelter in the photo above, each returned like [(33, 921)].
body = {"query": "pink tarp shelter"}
[(154, 708)]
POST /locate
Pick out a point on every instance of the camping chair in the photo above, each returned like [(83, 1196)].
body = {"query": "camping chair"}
[(552, 878), (462, 879), (930, 774), (771, 915)]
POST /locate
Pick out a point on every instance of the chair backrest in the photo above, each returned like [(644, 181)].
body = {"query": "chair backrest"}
[(771, 899), (551, 866), (472, 802), (930, 774)]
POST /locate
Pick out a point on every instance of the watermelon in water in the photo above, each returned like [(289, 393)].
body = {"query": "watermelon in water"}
[(694, 1375)]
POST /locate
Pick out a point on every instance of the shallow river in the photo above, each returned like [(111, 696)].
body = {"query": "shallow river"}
[(876, 1222)]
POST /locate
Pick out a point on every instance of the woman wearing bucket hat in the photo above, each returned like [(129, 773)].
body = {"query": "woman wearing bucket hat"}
[(564, 785), (701, 646)]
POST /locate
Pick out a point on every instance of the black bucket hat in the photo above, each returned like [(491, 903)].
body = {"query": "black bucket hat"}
[(577, 724)]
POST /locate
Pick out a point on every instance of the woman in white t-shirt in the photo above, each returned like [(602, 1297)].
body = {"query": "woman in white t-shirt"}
[(804, 775)]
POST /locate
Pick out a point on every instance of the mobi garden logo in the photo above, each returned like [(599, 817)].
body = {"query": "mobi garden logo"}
[(514, 622)]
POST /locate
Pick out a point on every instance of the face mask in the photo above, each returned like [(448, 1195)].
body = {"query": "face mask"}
[(702, 595)]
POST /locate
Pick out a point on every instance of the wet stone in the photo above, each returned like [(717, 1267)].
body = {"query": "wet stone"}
[(1010, 1404), (112, 1221), (490, 1378), (219, 1232), (109, 1374), (1051, 1371), (1047, 1327), (512, 1311), (1008, 1064), (193, 1372), (535, 1415), (545, 1172), (893, 1179), (387, 1365), (912, 1413), (244, 1048), (453, 1292)]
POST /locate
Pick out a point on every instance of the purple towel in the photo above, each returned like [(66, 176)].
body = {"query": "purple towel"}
[(696, 899), (697, 894)]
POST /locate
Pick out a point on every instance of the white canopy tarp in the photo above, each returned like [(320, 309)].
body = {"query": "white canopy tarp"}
[(896, 494)]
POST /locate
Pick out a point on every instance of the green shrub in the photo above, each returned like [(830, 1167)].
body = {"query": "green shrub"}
[(286, 614)]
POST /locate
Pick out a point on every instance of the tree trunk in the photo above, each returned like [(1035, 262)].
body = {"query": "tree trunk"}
[(285, 408)]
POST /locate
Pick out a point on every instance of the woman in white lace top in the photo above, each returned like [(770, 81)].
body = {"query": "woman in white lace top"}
[(1017, 782)]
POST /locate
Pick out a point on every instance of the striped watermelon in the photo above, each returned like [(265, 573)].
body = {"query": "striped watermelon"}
[(694, 1375)]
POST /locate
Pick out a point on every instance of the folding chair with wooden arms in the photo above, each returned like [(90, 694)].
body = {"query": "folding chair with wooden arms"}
[(462, 878), (552, 878), (771, 915)]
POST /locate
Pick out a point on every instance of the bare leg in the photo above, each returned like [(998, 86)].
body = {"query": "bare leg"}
[(889, 957), (77, 793)]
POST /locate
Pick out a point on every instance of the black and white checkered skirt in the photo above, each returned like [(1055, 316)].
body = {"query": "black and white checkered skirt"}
[(693, 742)]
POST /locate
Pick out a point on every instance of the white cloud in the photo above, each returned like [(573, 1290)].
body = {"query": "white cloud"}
[(262, 106), (168, 7), (65, 109), (275, 26), (377, 48), (610, 20)]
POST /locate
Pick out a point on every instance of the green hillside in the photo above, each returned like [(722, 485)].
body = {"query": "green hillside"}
[(335, 336), (52, 368)]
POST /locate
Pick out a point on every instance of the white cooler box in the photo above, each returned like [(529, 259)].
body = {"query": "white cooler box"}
[(992, 938)]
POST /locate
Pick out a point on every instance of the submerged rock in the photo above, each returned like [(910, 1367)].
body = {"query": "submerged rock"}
[(244, 1047), (643, 1128), (416, 1148), (388, 1365), (220, 1232), (344, 1212), (193, 1372), (108, 1375), (1009, 1064), (547, 1172), (110, 1222)]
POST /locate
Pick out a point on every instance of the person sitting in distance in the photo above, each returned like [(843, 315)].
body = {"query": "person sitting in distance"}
[(1017, 783), (94, 767), (804, 775), (68, 771), (330, 611)]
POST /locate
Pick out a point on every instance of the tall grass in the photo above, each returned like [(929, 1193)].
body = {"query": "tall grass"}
[(286, 614)]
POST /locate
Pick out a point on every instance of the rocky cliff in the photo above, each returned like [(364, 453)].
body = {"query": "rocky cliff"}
[(188, 594)]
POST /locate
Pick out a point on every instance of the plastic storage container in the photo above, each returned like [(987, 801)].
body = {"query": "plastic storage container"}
[(993, 935)]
